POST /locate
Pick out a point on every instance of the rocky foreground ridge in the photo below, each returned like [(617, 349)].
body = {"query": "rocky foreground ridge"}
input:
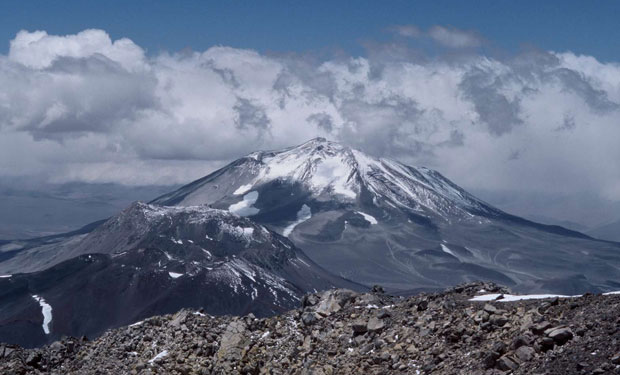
[(342, 332)]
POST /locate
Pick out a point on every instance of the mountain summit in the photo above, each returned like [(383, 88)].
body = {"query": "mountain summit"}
[(378, 221), (331, 171)]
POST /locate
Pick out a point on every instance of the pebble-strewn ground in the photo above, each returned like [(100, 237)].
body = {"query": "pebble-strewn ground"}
[(341, 332)]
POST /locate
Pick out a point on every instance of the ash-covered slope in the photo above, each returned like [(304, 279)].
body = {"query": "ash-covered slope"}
[(341, 332), (377, 221), (152, 260)]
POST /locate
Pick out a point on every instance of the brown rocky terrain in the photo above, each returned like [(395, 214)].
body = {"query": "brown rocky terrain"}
[(342, 332)]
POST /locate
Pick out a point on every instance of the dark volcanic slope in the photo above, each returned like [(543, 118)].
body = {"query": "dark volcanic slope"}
[(377, 221), (151, 260), (340, 332)]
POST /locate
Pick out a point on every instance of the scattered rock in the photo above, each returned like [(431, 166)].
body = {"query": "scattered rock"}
[(506, 363), (541, 327), (490, 308), (377, 289), (525, 353), (334, 300), (422, 305), (309, 317), (341, 332), (375, 325), (233, 341), (359, 327), (560, 335)]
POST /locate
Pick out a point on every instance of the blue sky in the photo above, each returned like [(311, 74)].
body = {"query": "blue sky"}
[(277, 26)]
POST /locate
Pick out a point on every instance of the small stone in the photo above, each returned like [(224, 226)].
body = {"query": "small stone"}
[(377, 289), (581, 365), (520, 341), (375, 325), (56, 346), (490, 308), (499, 347), (308, 318), (560, 335), (140, 366), (489, 359), (33, 359), (541, 327), (498, 320), (309, 300), (525, 353), (506, 363), (547, 343), (359, 327)]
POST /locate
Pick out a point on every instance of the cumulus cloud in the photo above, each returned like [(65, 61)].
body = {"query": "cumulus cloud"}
[(86, 108), (38, 49)]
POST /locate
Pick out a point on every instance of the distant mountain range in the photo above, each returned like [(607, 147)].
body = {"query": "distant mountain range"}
[(609, 231), (258, 234)]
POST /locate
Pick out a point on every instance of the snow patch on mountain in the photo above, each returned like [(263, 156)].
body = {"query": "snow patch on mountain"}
[(175, 275), (244, 268), (305, 213), (46, 310), (512, 298), (369, 218), (10, 247), (5, 276), (611, 293), (245, 233), (160, 355), (322, 167), (446, 249), (245, 207), (242, 189)]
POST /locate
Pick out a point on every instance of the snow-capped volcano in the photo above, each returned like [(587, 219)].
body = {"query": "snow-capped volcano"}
[(332, 171), (221, 243), (378, 221)]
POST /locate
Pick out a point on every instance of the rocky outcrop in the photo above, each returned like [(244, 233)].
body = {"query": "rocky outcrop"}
[(342, 332)]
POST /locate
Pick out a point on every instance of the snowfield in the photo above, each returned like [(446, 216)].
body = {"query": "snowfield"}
[(160, 355), (512, 298), (46, 310), (245, 207), (242, 189), (369, 218), (304, 214)]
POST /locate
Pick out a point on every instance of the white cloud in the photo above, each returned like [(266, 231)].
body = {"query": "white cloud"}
[(454, 38), (84, 107), (38, 49), (408, 31), (449, 37)]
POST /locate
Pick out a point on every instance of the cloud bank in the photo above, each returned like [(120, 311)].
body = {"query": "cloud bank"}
[(86, 108)]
